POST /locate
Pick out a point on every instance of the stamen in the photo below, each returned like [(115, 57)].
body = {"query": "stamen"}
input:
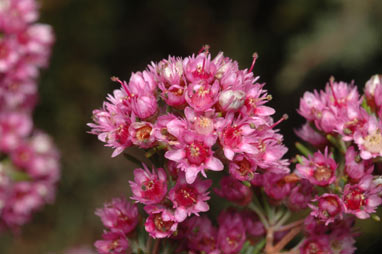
[(205, 49), (123, 84), (284, 117), (255, 56), (331, 82)]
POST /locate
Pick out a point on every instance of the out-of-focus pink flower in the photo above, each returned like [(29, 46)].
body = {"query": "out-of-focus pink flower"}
[(14, 127), (242, 167), (149, 187), (253, 225), (119, 215), (316, 244), (112, 243), (234, 191), (189, 198), (276, 186), (201, 234), (231, 233), (300, 195), (308, 134)]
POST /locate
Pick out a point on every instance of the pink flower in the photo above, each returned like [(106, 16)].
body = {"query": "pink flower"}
[(300, 195), (330, 207), (356, 168), (112, 243), (316, 244), (202, 122), (319, 169), (199, 68), (142, 134), (234, 191), (16, 14), (363, 198), (242, 167), (255, 99), (161, 222), (119, 215), (276, 186), (194, 154), (161, 132), (149, 187), (201, 234), (231, 233), (369, 139), (14, 126), (202, 96), (189, 198), (308, 134), (113, 121), (236, 136)]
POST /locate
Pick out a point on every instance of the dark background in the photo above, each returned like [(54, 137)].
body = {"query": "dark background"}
[(300, 43)]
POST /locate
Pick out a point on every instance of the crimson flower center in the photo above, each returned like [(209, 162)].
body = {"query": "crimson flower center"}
[(355, 199), (186, 196), (196, 153), (143, 133), (162, 225), (232, 136)]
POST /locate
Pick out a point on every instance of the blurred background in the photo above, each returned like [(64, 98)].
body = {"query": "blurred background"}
[(300, 45)]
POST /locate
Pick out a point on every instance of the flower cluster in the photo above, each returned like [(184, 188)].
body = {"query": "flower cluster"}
[(199, 114), (351, 126), (29, 166)]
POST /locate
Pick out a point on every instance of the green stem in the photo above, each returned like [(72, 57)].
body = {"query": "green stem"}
[(282, 220), (303, 149), (259, 246), (259, 211), (132, 159)]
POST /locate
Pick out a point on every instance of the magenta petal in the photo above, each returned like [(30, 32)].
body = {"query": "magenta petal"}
[(180, 214), (175, 155), (191, 174), (214, 164), (229, 153)]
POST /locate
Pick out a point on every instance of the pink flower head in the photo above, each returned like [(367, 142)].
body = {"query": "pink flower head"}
[(201, 234), (112, 243), (189, 198), (202, 96), (199, 68), (369, 139), (242, 167), (142, 134), (119, 215), (316, 244), (319, 169), (231, 233), (234, 190), (373, 84), (330, 207), (194, 154), (363, 198), (236, 136), (161, 222), (149, 187)]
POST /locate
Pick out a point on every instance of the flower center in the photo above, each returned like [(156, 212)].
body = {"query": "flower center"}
[(161, 225), (143, 133), (330, 206), (245, 169), (122, 134), (313, 248), (232, 136), (186, 196), (322, 173), (373, 142), (355, 199), (204, 125), (150, 189), (196, 153)]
